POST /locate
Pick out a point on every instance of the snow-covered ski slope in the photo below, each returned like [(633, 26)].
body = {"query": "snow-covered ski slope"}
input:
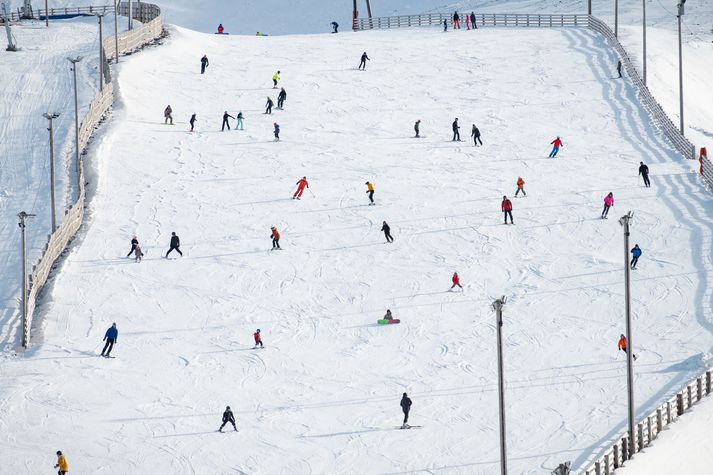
[(323, 396)]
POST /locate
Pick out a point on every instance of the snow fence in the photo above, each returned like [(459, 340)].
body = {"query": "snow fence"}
[(129, 41)]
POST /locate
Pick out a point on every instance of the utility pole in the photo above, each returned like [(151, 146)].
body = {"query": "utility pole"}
[(130, 25), (10, 42), (25, 331), (51, 117), (47, 15), (368, 8), (643, 2), (616, 18), (74, 62), (101, 53), (589, 7), (116, 29), (624, 221), (498, 306), (680, 63)]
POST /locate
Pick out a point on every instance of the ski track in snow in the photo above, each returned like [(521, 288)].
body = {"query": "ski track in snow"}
[(322, 397)]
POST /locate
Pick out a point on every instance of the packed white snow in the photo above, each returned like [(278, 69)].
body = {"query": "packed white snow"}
[(323, 396)]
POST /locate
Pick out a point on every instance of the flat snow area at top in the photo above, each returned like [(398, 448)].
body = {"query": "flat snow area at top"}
[(323, 397)]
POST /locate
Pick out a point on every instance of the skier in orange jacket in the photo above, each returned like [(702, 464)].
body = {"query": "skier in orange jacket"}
[(520, 187), (300, 188), (622, 345)]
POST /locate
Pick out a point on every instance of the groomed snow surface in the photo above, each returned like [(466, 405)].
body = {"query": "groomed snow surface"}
[(323, 396)]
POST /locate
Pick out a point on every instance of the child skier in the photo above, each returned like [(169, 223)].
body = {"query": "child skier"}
[(228, 417), (300, 188), (608, 203), (520, 187), (276, 131), (456, 281), (258, 339), (239, 121), (635, 254), (506, 207), (275, 235), (388, 315), (417, 128), (370, 192), (138, 253), (556, 144)]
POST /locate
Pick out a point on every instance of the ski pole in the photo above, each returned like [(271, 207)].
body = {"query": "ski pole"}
[(310, 191)]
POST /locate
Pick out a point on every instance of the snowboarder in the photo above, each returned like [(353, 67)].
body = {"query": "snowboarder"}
[(258, 339), (167, 114), (275, 235), (520, 187), (110, 337), (239, 121), (300, 188), (406, 408), (370, 192), (417, 128), (175, 244), (456, 21), (276, 131), (635, 254), (556, 144), (134, 243), (204, 63), (622, 345), (608, 203), (268, 106), (472, 20), (387, 232), (456, 133), (506, 207), (388, 315), (445, 25), (618, 68), (364, 59), (138, 253), (275, 78), (220, 29), (644, 172), (228, 417), (335, 27), (225, 121), (475, 133), (281, 98), (193, 121), (61, 465), (456, 281)]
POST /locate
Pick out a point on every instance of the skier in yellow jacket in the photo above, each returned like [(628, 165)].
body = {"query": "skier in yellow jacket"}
[(61, 464), (370, 192), (275, 78)]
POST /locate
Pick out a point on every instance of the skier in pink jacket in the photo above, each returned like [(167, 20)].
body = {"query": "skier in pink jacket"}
[(608, 203)]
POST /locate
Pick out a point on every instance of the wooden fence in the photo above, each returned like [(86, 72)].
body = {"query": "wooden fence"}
[(481, 20), (73, 217)]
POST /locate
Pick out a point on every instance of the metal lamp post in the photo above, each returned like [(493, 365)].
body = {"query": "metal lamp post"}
[(680, 63), (50, 118), (101, 53), (643, 3), (74, 62), (624, 221), (498, 307), (616, 18), (22, 215), (116, 29), (47, 15)]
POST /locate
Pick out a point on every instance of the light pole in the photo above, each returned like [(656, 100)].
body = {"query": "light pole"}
[(51, 117), (498, 306), (616, 18), (624, 221), (47, 15), (76, 118), (130, 25), (643, 3), (680, 63), (22, 215), (589, 7), (116, 29), (101, 53), (10, 43)]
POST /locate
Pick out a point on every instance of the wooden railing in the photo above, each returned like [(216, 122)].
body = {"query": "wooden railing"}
[(41, 13), (481, 20)]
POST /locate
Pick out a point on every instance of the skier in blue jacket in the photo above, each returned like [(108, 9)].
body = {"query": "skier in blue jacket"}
[(110, 337), (635, 254)]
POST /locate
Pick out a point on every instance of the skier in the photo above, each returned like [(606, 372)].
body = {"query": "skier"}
[(220, 29), (110, 337), (175, 244), (556, 144), (388, 315), (445, 25), (258, 339), (456, 281), (417, 128), (275, 235), (61, 464), (228, 417), (335, 27), (167, 114), (475, 133), (276, 131), (268, 106), (364, 59), (472, 20), (618, 68), (239, 121), (281, 98), (608, 203), (193, 121), (134, 243), (138, 253), (387, 232), (520, 187), (456, 21), (370, 192), (275, 78), (644, 172), (406, 407), (225, 121), (300, 188), (622, 345), (635, 254), (456, 134), (467, 22), (204, 63), (506, 207)]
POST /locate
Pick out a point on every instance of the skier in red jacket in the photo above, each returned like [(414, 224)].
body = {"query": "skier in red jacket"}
[(258, 339), (456, 280), (623, 344), (300, 188), (556, 144), (506, 207), (275, 235)]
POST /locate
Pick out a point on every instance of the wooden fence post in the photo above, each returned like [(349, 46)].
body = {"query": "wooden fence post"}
[(679, 403), (640, 444), (699, 388), (689, 395), (616, 455), (708, 382), (659, 421), (648, 429)]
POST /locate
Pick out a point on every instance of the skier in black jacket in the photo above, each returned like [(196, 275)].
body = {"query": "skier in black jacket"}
[(473, 23), (475, 133), (175, 244), (644, 172), (335, 27), (134, 243), (281, 98), (364, 59), (225, 120), (406, 407), (387, 232), (204, 63), (228, 417), (192, 121), (456, 134), (268, 106)]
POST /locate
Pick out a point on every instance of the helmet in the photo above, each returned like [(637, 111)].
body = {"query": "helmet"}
[(258, 330), (227, 408)]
